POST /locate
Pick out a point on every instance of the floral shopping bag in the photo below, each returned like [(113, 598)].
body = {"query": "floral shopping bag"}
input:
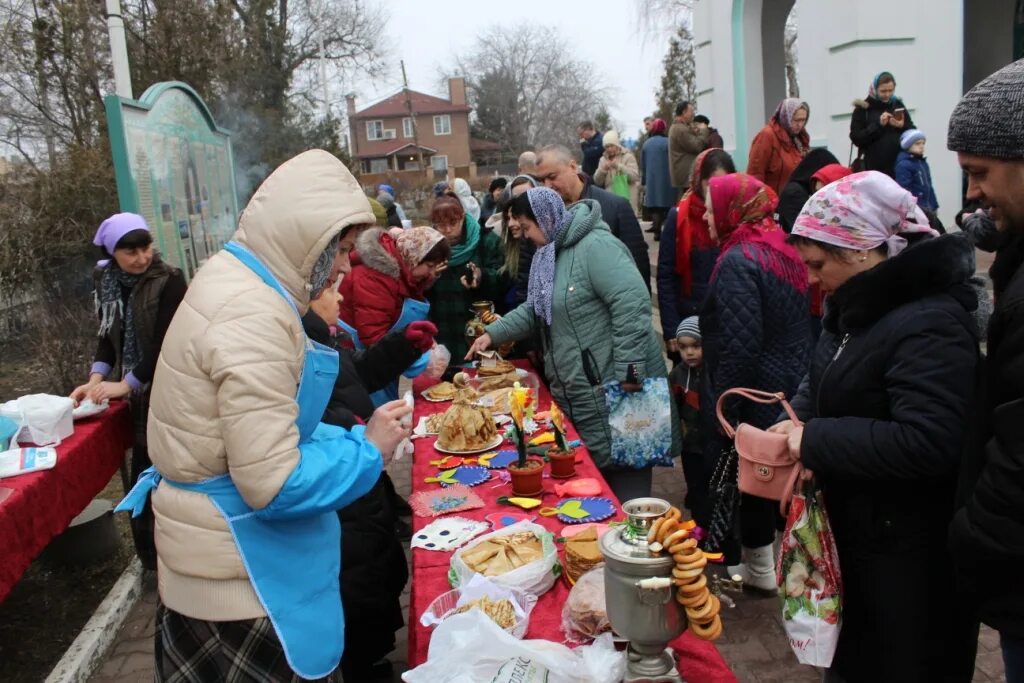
[(640, 423), (810, 585)]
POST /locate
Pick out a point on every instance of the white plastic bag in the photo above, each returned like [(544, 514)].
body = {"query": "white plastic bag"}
[(470, 648), (45, 419), (536, 577), (440, 356), (479, 587)]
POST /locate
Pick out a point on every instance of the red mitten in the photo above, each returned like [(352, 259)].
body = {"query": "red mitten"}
[(421, 334)]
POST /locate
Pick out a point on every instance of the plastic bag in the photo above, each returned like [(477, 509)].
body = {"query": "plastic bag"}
[(620, 186), (641, 424), (536, 577), (470, 648), (478, 587), (810, 584), (45, 419), (585, 615), (440, 356)]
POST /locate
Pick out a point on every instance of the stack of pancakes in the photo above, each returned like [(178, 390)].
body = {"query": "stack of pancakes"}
[(582, 553)]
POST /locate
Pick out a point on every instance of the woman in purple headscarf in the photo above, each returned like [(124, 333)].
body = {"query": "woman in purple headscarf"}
[(592, 311), (136, 295), (781, 145), (885, 407)]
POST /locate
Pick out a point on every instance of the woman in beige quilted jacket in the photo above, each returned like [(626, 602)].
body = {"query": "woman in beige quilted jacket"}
[(246, 479)]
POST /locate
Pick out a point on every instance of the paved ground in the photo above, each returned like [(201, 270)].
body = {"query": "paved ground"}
[(754, 643)]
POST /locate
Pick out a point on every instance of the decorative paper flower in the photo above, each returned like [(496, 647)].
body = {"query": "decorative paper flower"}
[(558, 423), (522, 404)]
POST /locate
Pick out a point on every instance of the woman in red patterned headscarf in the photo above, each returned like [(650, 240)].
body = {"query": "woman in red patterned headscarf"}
[(756, 334)]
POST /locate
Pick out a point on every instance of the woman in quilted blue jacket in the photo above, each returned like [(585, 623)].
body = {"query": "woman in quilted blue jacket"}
[(756, 330)]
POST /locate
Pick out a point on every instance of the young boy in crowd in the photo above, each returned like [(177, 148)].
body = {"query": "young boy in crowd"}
[(684, 382), (912, 171)]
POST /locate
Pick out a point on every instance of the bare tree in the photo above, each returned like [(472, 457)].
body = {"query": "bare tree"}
[(790, 45), (53, 70), (527, 88), (660, 18)]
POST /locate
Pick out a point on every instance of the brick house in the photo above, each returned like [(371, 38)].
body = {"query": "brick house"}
[(381, 136)]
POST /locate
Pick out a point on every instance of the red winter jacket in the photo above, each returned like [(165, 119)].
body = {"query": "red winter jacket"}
[(373, 293)]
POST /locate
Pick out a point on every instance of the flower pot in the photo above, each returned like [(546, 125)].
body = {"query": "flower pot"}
[(529, 480), (563, 463)]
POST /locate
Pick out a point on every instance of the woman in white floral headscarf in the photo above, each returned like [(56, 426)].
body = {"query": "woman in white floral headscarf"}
[(885, 408)]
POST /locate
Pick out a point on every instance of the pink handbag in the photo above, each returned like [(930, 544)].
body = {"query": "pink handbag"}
[(766, 467)]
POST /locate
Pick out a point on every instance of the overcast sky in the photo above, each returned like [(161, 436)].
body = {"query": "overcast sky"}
[(604, 32)]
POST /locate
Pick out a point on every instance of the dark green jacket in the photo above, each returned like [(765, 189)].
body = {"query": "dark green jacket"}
[(450, 302), (601, 311)]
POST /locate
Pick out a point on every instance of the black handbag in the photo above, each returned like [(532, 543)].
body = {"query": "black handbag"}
[(723, 501), (856, 164)]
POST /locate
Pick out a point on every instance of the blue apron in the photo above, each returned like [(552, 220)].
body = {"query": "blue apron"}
[(293, 564), (412, 311)]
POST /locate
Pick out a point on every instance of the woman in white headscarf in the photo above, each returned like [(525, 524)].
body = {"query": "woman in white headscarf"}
[(465, 195)]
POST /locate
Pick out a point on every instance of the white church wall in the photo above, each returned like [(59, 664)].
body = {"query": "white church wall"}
[(842, 45)]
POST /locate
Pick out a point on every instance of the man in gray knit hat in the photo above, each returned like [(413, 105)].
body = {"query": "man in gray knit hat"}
[(987, 534)]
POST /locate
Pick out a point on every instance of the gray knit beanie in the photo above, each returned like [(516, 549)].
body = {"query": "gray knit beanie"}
[(989, 120)]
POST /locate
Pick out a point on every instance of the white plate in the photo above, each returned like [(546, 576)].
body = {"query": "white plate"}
[(87, 409), (490, 447), (421, 427), (426, 397)]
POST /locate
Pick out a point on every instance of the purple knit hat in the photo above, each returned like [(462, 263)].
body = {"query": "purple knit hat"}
[(117, 226)]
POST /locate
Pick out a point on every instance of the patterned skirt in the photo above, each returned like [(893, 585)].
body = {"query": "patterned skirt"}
[(191, 650)]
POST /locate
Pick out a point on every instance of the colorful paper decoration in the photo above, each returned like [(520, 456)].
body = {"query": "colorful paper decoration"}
[(467, 475), (500, 520), (579, 510), (498, 460), (448, 461), (579, 487), (439, 502), (447, 533), (525, 503), (558, 424), (545, 438)]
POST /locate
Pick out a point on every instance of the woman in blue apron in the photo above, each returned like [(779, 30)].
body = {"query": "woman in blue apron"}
[(247, 479)]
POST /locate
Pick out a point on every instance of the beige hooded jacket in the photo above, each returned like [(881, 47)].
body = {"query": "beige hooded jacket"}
[(223, 395)]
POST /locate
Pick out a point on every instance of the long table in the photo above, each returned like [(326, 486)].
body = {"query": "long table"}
[(699, 660), (42, 504)]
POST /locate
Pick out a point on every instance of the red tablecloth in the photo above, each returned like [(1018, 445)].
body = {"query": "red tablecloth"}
[(42, 504), (700, 661)]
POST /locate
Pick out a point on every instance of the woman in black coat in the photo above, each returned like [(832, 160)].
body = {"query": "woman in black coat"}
[(877, 123), (885, 406), (374, 570), (798, 189)]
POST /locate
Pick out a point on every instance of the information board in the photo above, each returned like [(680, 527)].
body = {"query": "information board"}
[(174, 166)]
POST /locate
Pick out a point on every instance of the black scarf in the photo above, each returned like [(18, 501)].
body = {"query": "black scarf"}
[(114, 288)]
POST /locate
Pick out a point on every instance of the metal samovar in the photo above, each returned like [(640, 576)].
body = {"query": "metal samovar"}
[(639, 595)]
